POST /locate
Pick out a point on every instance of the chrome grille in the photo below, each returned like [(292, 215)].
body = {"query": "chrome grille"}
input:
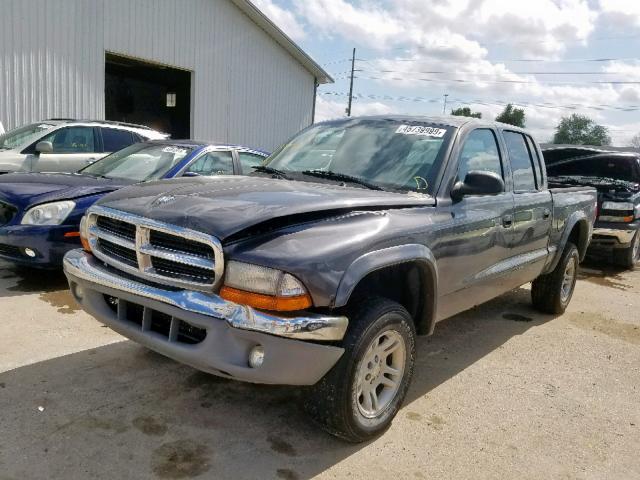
[(155, 251)]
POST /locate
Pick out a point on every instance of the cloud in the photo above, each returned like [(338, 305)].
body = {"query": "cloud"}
[(330, 109), (284, 19)]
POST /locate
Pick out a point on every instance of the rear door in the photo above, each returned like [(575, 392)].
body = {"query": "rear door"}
[(114, 139), (533, 206), (74, 147), (248, 160), (216, 162)]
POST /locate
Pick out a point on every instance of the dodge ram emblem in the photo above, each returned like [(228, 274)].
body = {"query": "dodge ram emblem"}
[(163, 200)]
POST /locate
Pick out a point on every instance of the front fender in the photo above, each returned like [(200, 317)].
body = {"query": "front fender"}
[(387, 257)]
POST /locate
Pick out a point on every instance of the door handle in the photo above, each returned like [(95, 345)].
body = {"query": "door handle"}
[(507, 221), (546, 213)]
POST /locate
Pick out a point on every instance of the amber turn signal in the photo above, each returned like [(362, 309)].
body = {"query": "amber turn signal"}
[(266, 302)]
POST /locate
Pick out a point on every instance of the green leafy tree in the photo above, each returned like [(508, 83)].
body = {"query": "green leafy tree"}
[(512, 116), (581, 130), (635, 141), (465, 112)]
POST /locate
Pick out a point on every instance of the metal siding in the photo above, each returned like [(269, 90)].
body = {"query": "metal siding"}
[(245, 87)]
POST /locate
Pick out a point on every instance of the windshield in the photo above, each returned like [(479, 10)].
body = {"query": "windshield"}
[(617, 168), (21, 135), (381, 153), (139, 162)]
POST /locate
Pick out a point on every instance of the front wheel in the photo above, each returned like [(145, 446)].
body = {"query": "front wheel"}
[(551, 293), (629, 257), (362, 393)]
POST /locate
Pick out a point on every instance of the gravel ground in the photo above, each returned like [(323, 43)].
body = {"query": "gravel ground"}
[(500, 392)]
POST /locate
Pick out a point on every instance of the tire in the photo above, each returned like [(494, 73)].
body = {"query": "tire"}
[(551, 293), (336, 403), (628, 257)]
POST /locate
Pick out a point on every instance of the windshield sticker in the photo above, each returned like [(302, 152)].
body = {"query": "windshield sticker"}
[(175, 150), (421, 130)]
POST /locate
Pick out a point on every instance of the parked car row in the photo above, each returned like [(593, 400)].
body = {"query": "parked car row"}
[(40, 212), (320, 265)]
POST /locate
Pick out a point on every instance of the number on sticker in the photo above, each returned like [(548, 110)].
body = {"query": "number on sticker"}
[(174, 150), (421, 130)]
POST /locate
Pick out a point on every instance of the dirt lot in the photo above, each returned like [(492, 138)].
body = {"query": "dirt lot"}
[(499, 392)]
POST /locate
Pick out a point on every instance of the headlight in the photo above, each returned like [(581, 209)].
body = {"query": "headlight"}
[(263, 288), (617, 206), (48, 213)]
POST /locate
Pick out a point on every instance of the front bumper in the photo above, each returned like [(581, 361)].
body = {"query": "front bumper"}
[(48, 242), (228, 331), (608, 235)]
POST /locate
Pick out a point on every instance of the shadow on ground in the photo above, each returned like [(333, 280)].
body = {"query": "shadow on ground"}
[(121, 411)]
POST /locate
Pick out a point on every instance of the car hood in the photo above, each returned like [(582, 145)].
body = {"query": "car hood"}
[(26, 189), (224, 206)]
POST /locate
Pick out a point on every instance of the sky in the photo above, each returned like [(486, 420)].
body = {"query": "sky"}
[(550, 57)]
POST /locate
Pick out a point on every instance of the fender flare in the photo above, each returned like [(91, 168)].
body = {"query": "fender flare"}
[(388, 257), (574, 219)]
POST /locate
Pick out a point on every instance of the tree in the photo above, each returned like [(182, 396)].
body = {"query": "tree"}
[(635, 141), (465, 112), (581, 130), (512, 116)]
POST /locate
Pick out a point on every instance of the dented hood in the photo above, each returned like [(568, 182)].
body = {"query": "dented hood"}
[(223, 206)]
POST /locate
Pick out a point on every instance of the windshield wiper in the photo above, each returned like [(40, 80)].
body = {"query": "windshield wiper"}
[(273, 171), (342, 177)]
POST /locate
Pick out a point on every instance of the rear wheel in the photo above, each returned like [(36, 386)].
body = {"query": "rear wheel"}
[(361, 395), (628, 257), (551, 293)]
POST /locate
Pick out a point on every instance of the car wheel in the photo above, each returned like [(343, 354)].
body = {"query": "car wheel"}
[(362, 393), (629, 257), (551, 293)]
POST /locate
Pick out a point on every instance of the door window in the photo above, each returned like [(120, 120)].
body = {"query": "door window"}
[(114, 139), (480, 152), (213, 163), (248, 160), (521, 164), (72, 140)]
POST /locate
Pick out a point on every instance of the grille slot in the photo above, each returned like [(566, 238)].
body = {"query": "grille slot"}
[(7, 213), (156, 252), (122, 254), (149, 320), (117, 227), (186, 272), (10, 250), (179, 244)]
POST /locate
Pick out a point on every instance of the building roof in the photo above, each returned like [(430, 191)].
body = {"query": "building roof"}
[(283, 40)]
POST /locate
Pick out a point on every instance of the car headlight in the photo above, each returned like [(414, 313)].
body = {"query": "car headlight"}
[(263, 288), (624, 206), (48, 213)]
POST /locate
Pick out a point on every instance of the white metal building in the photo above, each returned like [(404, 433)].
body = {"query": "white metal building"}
[(207, 69)]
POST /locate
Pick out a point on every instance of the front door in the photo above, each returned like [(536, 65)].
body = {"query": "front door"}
[(477, 241), (73, 148)]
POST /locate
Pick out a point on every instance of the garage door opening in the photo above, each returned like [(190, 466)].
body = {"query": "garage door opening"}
[(148, 94)]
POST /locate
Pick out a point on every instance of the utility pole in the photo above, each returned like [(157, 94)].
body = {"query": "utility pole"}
[(444, 108), (353, 67)]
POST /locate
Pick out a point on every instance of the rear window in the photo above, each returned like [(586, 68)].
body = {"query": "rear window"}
[(521, 164), (114, 139)]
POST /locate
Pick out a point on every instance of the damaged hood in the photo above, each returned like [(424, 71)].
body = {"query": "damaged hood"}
[(224, 206)]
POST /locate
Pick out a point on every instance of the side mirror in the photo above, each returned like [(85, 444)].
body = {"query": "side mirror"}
[(478, 183), (44, 147)]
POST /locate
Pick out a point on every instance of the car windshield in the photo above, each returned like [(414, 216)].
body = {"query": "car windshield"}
[(139, 162), (383, 154), (21, 135)]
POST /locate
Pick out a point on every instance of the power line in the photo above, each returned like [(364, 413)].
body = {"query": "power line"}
[(574, 106), (539, 60), (518, 82)]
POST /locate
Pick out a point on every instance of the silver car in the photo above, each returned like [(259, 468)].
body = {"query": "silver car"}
[(67, 145)]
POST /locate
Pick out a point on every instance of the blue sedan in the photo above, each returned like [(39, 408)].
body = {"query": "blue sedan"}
[(40, 213)]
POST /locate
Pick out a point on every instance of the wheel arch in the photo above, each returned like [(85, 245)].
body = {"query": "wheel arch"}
[(577, 231), (379, 272)]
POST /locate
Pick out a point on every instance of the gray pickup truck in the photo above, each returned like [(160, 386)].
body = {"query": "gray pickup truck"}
[(321, 267)]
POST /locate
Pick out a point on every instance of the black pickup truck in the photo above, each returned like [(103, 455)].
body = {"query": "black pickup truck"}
[(616, 176), (321, 267)]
